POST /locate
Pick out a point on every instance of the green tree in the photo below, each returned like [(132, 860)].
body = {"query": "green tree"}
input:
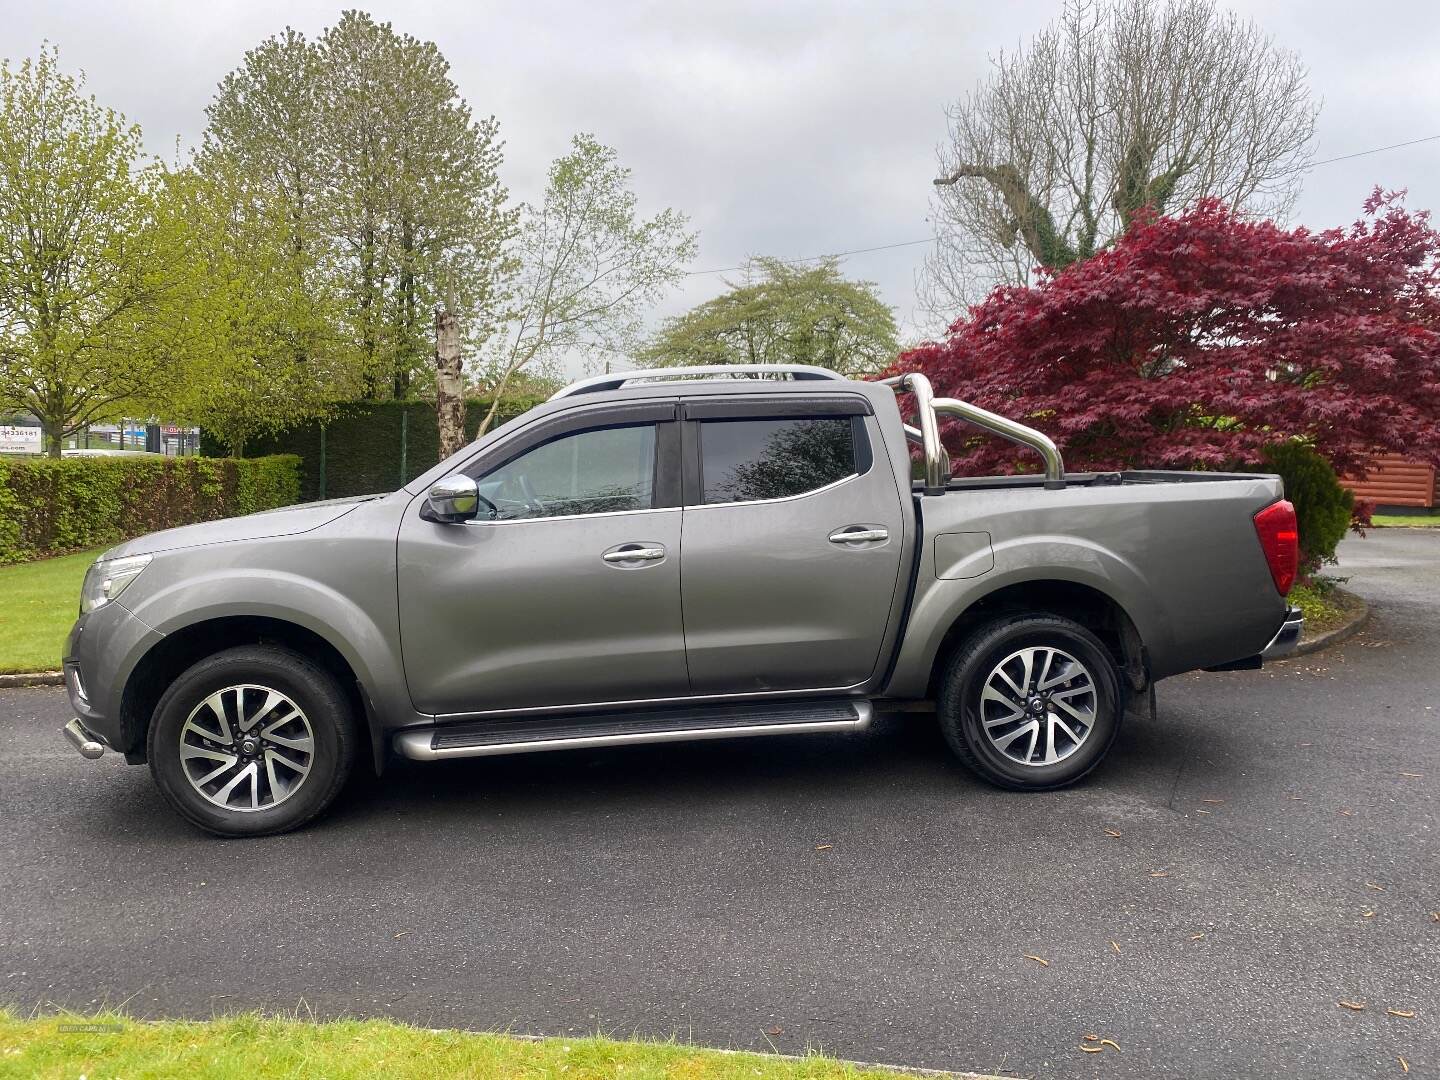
[(251, 325), (85, 260), (391, 186), (267, 126), (783, 314), (418, 203), (588, 269)]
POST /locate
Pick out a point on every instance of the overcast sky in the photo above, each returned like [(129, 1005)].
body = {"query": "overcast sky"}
[(783, 128)]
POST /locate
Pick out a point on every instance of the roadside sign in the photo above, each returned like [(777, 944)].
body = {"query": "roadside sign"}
[(20, 440)]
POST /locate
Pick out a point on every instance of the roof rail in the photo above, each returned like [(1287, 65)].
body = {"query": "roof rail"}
[(614, 381)]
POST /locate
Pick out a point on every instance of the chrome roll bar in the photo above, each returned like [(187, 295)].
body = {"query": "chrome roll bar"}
[(937, 463)]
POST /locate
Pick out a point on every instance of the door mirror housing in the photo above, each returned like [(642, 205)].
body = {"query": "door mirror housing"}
[(453, 499)]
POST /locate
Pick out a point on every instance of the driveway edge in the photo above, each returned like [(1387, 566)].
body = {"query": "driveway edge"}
[(872, 1066), (32, 678), (1340, 633)]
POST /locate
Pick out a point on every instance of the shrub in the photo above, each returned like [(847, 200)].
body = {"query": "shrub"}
[(49, 507), (1323, 507)]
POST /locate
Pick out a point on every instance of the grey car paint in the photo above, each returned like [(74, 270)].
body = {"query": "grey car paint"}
[(771, 603), (525, 613), (441, 621)]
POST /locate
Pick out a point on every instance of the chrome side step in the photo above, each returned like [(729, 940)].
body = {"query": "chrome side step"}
[(486, 738)]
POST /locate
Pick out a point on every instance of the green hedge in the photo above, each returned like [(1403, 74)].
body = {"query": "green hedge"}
[(49, 507), (369, 446)]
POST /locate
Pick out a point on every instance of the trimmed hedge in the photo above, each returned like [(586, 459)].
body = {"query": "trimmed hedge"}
[(369, 446), (49, 507)]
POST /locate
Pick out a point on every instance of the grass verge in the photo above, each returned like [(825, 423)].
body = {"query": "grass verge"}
[(41, 600), (1418, 520), (252, 1047)]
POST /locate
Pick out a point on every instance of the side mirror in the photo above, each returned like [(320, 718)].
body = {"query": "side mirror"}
[(453, 499)]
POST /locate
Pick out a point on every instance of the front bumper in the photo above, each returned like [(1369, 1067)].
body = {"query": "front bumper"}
[(1287, 639), (102, 651)]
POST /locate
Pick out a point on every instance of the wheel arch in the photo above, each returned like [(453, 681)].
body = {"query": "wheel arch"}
[(186, 645), (1091, 607)]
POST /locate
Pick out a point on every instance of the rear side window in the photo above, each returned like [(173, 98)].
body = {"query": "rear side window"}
[(746, 460)]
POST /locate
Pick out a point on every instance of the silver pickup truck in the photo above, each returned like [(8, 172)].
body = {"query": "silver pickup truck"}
[(676, 554)]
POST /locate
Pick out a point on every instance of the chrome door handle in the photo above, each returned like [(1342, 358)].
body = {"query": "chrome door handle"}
[(854, 535), (634, 554)]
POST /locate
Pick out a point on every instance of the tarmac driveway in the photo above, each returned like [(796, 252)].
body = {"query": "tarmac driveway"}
[(1265, 850)]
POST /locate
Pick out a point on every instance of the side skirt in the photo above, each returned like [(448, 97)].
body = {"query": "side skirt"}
[(485, 738)]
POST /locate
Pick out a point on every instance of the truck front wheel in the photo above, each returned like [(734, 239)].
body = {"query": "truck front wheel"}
[(252, 741), (1030, 702)]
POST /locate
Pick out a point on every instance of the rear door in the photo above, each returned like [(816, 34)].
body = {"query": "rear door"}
[(793, 536)]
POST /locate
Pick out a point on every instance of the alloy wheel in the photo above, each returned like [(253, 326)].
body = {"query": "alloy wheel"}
[(247, 747), (1038, 705)]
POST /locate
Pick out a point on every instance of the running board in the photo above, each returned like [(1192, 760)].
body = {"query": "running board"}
[(484, 738)]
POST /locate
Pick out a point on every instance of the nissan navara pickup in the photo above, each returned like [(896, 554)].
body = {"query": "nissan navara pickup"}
[(669, 555)]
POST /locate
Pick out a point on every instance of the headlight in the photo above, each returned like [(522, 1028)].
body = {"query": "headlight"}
[(107, 578)]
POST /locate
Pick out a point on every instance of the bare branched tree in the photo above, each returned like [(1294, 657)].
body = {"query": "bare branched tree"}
[(1120, 105)]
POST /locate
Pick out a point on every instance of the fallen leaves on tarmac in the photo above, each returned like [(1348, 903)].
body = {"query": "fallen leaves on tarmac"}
[(1038, 959), (1113, 832), (1353, 1006), (1402, 1013)]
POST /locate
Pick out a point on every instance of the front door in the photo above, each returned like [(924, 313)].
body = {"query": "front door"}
[(794, 538), (568, 593)]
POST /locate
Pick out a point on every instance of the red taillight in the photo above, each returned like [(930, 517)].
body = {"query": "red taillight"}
[(1280, 540)]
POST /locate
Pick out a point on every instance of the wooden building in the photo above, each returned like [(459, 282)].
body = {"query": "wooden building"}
[(1395, 480)]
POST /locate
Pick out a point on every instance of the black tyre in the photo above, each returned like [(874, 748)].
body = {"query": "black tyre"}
[(1031, 702), (252, 741)]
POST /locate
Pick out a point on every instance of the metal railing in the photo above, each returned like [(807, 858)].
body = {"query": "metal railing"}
[(937, 462), (618, 379)]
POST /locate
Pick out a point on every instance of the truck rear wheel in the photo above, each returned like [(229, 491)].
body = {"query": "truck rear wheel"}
[(252, 741), (1031, 702)]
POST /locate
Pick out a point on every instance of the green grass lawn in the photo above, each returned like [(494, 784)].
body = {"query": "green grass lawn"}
[(254, 1048), (38, 604), (1419, 519)]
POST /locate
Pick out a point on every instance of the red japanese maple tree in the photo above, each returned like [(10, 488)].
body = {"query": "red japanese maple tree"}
[(1201, 338)]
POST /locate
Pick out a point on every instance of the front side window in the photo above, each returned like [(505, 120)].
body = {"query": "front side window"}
[(746, 460), (602, 471)]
